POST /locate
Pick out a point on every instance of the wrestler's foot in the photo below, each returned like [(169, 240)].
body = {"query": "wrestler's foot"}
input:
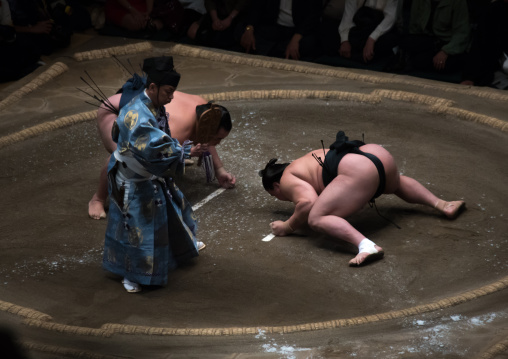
[(96, 208), (189, 162), (201, 246), (450, 209), (363, 258), (131, 287)]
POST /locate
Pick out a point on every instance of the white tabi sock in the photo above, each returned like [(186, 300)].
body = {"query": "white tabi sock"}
[(367, 246), (131, 287)]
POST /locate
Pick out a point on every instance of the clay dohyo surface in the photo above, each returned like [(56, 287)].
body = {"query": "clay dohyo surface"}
[(443, 281)]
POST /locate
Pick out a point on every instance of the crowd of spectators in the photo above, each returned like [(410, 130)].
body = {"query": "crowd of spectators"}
[(30, 29), (461, 41)]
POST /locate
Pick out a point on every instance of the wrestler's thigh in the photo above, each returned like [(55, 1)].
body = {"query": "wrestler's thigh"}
[(343, 197)]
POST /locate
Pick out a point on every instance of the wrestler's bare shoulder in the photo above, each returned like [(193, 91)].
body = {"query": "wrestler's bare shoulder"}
[(183, 108), (307, 169), (185, 99)]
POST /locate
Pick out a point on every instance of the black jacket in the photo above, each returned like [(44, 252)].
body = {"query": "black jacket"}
[(306, 14)]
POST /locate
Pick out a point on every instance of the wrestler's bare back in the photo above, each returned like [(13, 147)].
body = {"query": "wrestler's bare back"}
[(182, 118), (307, 169), (182, 110)]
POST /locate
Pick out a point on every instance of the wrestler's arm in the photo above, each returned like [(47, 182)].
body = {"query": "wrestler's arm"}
[(226, 179), (303, 195)]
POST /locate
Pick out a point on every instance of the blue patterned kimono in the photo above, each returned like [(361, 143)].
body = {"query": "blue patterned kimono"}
[(151, 226)]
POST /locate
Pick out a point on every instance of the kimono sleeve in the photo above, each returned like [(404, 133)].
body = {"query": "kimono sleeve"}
[(155, 150)]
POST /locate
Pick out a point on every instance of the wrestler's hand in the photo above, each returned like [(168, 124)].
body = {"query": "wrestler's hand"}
[(226, 179), (198, 150), (279, 228)]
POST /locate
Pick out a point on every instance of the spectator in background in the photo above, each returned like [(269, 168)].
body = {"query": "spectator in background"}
[(489, 49), (80, 18), (283, 28), (18, 58), (329, 30), (195, 5), (32, 28), (7, 32), (194, 10), (9, 340), (476, 10), (45, 25), (146, 18), (131, 15), (437, 37), (222, 25), (365, 29)]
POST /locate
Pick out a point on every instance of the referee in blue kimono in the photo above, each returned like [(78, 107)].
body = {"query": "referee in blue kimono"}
[(151, 226)]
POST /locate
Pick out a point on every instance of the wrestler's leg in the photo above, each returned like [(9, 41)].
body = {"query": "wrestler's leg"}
[(105, 120), (343, 197), (96, 205), (413, 191)]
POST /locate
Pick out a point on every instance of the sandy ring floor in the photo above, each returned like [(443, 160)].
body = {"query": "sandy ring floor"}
[(42, 320)]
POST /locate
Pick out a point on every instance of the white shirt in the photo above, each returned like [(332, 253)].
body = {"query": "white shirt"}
[(286, 13), (389, 8), (196, 5), (5, 13)]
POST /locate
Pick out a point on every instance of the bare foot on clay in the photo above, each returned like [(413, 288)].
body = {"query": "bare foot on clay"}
[(363, 258), (450, 209), (96, 208)]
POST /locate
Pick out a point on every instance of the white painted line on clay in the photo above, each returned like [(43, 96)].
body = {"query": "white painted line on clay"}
[(268, 238), (210, 196)]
